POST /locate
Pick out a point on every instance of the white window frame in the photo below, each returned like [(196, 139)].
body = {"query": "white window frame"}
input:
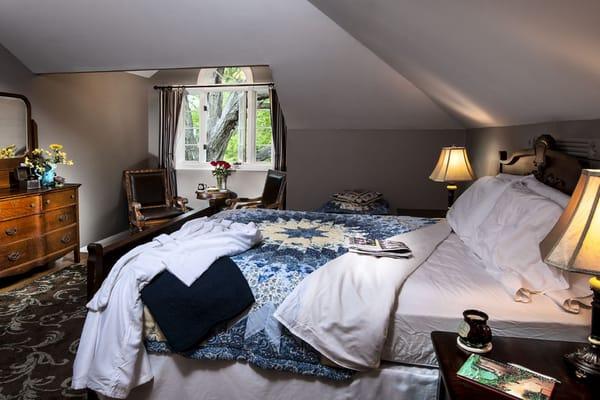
[(250, 131)]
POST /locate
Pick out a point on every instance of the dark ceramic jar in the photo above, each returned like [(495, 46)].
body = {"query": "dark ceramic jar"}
[(474, 330)]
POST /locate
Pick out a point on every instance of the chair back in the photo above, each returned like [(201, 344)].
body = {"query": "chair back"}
[(274, 188), (147, 187)]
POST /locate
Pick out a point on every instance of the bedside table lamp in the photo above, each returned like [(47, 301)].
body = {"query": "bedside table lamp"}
[(574, 245), (453, 166)]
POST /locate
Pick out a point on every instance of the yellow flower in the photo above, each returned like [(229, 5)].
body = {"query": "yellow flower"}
[(56, 146)]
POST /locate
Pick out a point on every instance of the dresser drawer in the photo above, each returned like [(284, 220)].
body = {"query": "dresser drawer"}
[(18, 253), (60, 218), (58, 199), (62, 239), (18, 229), (19, 207)]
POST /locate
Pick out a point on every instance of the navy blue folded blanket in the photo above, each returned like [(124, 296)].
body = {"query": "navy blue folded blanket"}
[(188, 315)]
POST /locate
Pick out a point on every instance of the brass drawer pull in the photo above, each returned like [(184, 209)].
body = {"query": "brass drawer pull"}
[(47, 201), (11, 232), (66, 239), (63, 218), (72, 197), (14, 256), (32, 205)]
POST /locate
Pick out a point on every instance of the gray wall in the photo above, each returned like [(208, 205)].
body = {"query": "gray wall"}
[(485, 143), (101, 119), (396, 163), (14, 76)]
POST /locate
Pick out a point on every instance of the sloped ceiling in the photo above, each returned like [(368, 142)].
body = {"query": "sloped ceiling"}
[(339, 64), (489, 63), (326, 79)]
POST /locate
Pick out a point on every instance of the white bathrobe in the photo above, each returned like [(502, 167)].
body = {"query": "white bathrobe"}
[(111, 358)]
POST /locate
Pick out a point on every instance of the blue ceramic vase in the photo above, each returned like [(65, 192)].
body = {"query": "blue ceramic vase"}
[(47, 178)]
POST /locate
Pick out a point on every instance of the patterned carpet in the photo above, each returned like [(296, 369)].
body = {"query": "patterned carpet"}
[(40, 326)]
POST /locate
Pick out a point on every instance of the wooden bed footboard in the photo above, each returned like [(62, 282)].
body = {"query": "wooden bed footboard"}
[(102, 255)]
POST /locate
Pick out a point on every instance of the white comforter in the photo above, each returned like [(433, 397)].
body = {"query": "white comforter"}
[(344, 308), (111, 358)]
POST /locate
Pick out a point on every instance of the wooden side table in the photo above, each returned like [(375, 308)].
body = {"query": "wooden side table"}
[(543, 356), (421, 213), (216, 199)]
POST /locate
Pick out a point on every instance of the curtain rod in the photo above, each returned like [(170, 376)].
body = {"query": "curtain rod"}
[(214, 86)]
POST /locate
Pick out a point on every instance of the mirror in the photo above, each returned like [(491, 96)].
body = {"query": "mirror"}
[(16, 126)]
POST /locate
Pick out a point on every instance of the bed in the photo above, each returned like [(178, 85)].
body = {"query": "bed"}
[(426, 303)]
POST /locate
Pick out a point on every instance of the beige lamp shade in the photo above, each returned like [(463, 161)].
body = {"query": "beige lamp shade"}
[(574, 242), (453, 166)]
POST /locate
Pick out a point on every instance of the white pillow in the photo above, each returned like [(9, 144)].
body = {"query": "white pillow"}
[(548, 192), (474, 205), (508, 242)]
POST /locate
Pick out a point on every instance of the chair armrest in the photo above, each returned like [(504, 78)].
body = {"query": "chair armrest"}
[(136, 216), (232, 203), (181, 202), (249, 199), (247, 204), (274, 206)]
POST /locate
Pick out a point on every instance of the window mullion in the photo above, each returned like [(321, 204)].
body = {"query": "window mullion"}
[(203, 137), (242, 127), (251, 127)]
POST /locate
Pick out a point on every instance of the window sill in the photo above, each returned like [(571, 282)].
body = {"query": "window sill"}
[(244, 168)]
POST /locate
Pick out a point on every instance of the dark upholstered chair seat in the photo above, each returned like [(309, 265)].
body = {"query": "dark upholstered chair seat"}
[(150, 199), (160, 213)]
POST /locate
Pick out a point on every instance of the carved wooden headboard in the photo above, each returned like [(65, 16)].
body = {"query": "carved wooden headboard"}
[(554, 168)]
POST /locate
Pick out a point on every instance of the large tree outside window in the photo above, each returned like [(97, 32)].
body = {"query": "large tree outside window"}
[(227, 123)]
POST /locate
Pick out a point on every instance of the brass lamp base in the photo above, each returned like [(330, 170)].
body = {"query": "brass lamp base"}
[(586, 360), (451, 190)]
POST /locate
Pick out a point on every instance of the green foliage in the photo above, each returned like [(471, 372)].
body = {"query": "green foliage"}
[(264, 134), (231, 153), (230, 75)]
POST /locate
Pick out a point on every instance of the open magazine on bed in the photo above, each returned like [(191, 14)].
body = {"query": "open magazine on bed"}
[(378, 248)]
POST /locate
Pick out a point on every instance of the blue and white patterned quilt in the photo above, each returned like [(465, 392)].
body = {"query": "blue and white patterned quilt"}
[(295, 244)]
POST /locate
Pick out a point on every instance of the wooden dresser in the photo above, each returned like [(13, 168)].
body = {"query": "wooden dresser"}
[(37, 226)]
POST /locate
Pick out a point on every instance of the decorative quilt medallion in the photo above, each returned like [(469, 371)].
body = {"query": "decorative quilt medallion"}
[(295, 244)]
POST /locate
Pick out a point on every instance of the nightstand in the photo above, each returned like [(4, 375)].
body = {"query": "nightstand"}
[(216, 199), (421, 213), (543, 356)]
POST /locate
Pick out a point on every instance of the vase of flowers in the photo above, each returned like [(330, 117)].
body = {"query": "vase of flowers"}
[(221, 170), (43, 163), (8, 151)]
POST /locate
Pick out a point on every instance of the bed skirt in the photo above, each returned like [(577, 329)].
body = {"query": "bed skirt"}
[(177, 377)]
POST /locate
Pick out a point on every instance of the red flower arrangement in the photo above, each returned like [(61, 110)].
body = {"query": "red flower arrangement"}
[(221, 168)]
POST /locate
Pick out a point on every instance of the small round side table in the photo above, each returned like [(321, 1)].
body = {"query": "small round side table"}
[(216, 199)]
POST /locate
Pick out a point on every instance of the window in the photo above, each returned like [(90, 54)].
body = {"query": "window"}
[(231, 123)]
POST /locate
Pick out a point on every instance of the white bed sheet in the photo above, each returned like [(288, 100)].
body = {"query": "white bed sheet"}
[(452, 280), (176, 377)]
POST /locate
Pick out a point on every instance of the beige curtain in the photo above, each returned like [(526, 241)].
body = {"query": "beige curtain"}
[(170, 103)]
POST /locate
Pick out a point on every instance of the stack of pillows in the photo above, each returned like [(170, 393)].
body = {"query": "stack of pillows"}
[(356, 202), (502, 219)]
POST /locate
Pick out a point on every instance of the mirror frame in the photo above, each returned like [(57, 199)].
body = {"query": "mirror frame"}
[(9, 164)]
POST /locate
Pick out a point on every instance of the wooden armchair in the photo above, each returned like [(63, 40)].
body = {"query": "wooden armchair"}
[(272, 196), (148, 198)]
